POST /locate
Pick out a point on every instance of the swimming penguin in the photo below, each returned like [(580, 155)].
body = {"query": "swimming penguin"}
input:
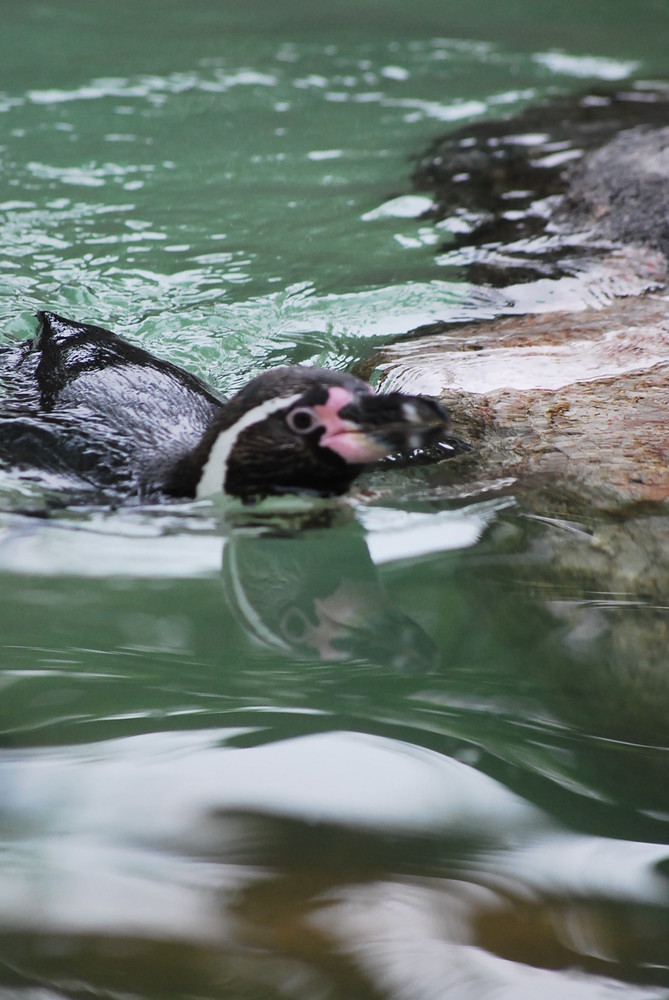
[(83, 403)]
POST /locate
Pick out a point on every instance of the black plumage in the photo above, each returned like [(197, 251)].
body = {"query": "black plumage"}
[(87, 405)]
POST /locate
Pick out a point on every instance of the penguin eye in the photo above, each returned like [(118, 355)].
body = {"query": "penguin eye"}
[(302, 420), (294, 625)]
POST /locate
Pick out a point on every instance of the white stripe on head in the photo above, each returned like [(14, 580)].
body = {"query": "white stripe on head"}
[(215, 469)]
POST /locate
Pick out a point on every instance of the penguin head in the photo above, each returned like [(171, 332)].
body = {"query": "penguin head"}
[(310, 430)]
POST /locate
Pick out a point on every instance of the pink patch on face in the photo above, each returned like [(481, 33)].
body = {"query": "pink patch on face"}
[(343, 436)]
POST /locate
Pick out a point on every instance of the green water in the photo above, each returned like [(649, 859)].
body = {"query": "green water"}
[(401, 746)]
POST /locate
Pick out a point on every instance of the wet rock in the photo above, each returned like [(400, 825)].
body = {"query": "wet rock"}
[(512, 195), (567, 211), (621, 191), (574, 401)]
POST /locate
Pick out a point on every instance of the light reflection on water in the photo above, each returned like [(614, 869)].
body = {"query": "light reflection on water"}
[(413, 745), (434, 873), (293, 756)]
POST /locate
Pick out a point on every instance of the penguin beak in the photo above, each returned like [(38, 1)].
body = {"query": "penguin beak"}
[(371, 427)]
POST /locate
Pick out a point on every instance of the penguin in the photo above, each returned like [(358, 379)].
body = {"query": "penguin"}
[(82, 403)]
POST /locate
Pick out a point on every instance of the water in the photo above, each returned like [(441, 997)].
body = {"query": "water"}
[(413, 744)]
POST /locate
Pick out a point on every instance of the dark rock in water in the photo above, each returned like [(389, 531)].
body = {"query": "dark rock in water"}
[(516, 191), (621, 191)]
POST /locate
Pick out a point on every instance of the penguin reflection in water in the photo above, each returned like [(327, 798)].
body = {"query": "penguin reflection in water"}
[(316, 595), (103, 417)]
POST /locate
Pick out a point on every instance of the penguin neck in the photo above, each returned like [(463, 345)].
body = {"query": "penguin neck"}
[(223, 440)]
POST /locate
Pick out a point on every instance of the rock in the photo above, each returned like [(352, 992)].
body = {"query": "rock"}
[(572, 390), (621, 191), (595, 165), (577, 399)]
